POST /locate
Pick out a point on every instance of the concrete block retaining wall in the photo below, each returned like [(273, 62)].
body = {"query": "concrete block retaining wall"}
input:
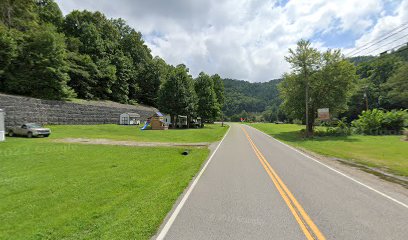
[(24, 109)]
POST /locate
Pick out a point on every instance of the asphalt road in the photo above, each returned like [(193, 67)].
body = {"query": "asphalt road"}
[(255, 187)]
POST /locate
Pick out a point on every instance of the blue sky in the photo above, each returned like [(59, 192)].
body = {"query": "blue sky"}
[(248, 39)]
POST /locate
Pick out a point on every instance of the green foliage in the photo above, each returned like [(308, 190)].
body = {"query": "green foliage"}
[(208, 107), (124, 73), (369, 122), (49, 12), (40, 70), (19, 14), (46, 55), (338, 127), (149, 84), (376, 122), (82, 72), (326, 78), (8, 52), (373, 84), (219, 89), (251, 97), (177, 95), (397, 87)]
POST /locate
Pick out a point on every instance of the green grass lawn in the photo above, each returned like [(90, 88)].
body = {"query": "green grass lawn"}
[(388, 153), (210, 133), (75, 191)]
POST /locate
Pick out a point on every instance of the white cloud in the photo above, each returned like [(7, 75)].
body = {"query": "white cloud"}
[(240, 39), (384, 27)]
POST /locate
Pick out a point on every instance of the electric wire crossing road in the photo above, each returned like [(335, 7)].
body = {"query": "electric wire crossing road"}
[(255, 187)]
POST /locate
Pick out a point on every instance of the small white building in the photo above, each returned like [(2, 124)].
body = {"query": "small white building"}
[(167, 119), (129, 119)]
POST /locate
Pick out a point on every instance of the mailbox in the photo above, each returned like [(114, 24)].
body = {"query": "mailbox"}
[(2, 130)]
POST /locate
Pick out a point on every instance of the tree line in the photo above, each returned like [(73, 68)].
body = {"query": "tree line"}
[(85, 55), (347, 88), (371, 83)]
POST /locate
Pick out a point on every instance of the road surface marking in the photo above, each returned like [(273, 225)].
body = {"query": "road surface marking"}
[(336, 171), (304, 221), (173, 216)]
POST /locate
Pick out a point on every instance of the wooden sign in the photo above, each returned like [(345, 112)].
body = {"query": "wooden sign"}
[(323, 114)]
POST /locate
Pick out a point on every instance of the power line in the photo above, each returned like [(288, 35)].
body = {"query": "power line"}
[(397, 47), (402, 25), (378, 42), (388, 44)]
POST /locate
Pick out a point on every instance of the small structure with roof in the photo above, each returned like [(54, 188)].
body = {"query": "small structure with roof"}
[(157, 122), (129, 119), (181, 122)]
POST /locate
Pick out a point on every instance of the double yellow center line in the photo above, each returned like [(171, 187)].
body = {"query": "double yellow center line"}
[(306, 224)]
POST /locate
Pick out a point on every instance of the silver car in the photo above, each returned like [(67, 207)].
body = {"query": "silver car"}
[(29, 130)]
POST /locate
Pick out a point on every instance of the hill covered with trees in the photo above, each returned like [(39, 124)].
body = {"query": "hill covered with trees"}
[(85, 55), (245, 99)]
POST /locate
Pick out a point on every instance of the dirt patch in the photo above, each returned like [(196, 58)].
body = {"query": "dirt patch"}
[(102, 141)]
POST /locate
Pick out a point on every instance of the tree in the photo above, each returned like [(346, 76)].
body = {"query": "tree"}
[(149, 83), (124, 72), (49, 12), (41, 68), (304, 61), (18, 14), (8, 52), (330, 79), (397, 87), (177, 95), (219, 89), (208, 107), (82, 72), (372, 85)]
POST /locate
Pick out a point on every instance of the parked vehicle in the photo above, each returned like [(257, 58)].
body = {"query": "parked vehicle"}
[(29, 130)]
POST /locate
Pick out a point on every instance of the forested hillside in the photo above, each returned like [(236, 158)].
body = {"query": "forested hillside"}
[(83, 54), (242, 97), (382, 83), (86, 55)]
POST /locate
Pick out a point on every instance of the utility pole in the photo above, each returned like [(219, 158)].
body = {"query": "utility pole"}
[(307, 109), (366, 101), (307, 105)]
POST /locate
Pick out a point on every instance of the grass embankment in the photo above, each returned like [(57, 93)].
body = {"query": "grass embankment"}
[(210, 133), (74, 191), (388, 153)]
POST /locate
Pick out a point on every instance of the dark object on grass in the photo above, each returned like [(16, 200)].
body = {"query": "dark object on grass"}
[(185, 152)]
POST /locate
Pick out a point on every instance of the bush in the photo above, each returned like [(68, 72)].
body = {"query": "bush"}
[(335, 128), (378, 122), (297, 121), (394, 120)]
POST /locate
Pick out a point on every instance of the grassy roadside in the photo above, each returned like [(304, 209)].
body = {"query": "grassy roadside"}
[(70, 191), (210, 133), (387, 153), (54, 190)]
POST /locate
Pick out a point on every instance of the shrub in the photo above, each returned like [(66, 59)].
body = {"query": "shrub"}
[(297, 121), (376, 122), (394, 120), (335, 128)]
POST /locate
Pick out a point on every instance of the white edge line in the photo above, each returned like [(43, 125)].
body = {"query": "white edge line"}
[(334, 170), (173, 216)]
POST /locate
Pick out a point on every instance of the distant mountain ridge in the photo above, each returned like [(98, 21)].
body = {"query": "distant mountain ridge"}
[(242, 95)]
